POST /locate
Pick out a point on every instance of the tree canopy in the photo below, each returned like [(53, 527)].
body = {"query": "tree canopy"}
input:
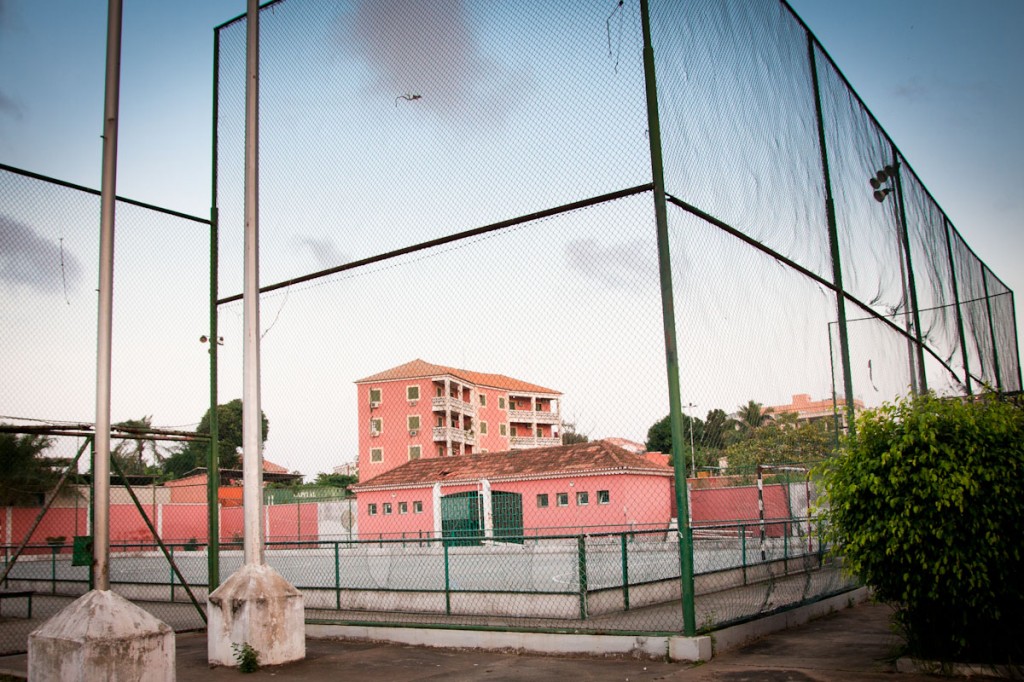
[(25, 473), (229, 431), (925, 503)]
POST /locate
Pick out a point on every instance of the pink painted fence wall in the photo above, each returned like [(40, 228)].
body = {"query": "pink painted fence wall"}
[(177, 523)]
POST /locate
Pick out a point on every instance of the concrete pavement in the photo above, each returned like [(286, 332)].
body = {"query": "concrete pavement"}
[(856, 643)]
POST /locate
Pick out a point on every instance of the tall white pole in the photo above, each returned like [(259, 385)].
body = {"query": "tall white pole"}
[(104, 325), (252, 426)]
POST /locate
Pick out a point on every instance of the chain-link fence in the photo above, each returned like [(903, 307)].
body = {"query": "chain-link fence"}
[(482, 227), (461, 272), (49, 243)]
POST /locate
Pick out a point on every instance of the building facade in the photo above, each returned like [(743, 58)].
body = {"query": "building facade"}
[(807, 410), (421, 411), (592, 487)]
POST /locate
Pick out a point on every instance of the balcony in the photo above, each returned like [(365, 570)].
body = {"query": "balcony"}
[(524, 442), (533, 417), (454, 404), (443, 434)]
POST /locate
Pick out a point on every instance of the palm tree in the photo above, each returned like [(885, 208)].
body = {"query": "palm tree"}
[(131, 452), (25, 471), (751, 416)]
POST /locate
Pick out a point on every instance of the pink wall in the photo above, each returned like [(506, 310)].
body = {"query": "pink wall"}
[(293, 521), (179, 523), (719, 506), (395, 524)]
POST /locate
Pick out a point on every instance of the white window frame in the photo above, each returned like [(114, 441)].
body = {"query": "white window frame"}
[(483, 428), (386, 509), (483, 399), (380, 425), (419, 452), (409, 390), (561, 499), (501, 402), (606, 498), (417, 507), (380, 395), (582, 498), (403, 507), (378, 459), (503, 429), (409, 420), (543, 497), (371, 509)]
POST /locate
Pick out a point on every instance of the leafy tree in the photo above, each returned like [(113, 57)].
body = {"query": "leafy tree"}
[(925, 503), (570, 436), (181, 461), (25, 473), (782, 441), (659, 439), (717, 429), (659, 436), (334, 480), (229, 431)]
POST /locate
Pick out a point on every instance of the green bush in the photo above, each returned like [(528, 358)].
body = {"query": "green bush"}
[(926, 505)]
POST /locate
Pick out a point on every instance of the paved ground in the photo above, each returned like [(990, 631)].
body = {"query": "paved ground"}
[(852, 644)]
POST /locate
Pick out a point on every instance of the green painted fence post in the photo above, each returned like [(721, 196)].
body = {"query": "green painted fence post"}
[(625, 572), (581, 552), (447, 581)]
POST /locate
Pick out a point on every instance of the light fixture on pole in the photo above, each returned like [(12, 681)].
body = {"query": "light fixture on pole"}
[(881, 178)]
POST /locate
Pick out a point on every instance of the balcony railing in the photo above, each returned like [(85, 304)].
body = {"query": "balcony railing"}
[(454, 404), (454, 434), (532, 442), (533, 417)]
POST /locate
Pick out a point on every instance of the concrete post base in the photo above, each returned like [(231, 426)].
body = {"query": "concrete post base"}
[(256, 606), (102, 636)]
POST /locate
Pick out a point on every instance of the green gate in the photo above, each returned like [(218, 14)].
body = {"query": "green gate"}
[(507, 509), (461, 519)]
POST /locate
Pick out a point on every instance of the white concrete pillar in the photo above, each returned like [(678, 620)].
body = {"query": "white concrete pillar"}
[(436, 503), (102, 636), (488, 508)]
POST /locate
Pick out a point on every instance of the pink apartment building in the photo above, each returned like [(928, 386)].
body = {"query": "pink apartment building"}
[(422, 411)]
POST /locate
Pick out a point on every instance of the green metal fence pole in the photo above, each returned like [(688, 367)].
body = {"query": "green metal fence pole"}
[(669, 321), (581, 567), (337, 578), (171, 569), (905, 236), (959, 313), (1016, 346), (743, 548), (625, 572), (447, 581), (992, 332), (213, 458), (833, 241), (156, 536)]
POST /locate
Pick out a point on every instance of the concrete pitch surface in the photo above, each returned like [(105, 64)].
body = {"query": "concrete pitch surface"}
[(853, 644)]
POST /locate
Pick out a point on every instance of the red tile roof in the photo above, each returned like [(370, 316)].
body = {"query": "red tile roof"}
[(598, 457), (419, 369)]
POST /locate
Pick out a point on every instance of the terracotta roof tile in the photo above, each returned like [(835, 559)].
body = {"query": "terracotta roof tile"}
[(418, 369), (580, 458)]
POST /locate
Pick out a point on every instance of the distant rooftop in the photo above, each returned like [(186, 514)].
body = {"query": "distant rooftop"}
[(597, 457), (420, 369)]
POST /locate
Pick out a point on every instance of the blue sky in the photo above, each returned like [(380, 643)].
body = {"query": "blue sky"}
[(943, 77)]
